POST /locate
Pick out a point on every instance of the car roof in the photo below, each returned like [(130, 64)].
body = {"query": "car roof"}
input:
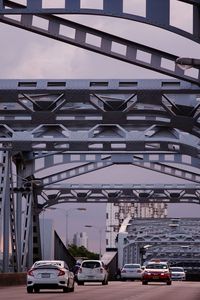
[(91, 260), (132, 264), (49, 262), (157, 262)]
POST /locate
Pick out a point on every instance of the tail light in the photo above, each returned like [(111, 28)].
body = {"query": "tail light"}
[(61, 273), (30, 272), (101, 270), (80, 270)]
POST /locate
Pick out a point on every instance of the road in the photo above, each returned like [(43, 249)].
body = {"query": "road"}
[(113, 291)]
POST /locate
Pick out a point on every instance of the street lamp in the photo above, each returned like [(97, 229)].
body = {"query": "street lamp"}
[(186, 63), (100, 236), (66, 212), (143, 251)]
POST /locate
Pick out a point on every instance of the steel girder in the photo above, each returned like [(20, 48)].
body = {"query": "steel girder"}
[(109, 193), (110, 8), (76, 34), (100, 116), (163, 236), (17, 140)]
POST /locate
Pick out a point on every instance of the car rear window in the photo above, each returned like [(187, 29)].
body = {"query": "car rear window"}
[(91, 264), (132, 266)]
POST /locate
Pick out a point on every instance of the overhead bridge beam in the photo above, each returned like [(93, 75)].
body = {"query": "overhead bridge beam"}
[(130, 52), (110, 8), (116, 193)]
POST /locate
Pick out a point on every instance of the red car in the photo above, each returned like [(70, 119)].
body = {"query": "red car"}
[(156, 272)]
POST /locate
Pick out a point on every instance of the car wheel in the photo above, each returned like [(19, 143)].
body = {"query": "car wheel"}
[(29, 290), (144, 282), (80, 282), (36, 290), (104, 281), (65, 289), (169, 282)]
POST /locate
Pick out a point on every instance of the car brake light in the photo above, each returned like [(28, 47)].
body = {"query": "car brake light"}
[(101, 270), (30, 272), (61, 273)]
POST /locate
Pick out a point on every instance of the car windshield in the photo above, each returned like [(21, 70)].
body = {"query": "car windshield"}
[(156, 266), (91, 264), (131, 266)]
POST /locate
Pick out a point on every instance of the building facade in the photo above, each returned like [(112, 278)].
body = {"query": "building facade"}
[(117, 212), (80, 239)]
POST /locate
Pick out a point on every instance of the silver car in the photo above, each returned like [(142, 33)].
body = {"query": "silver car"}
[(177, 273), (131, 271), (50, 274)]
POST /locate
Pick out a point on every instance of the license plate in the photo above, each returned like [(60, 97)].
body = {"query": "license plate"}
[(45, 275), (155, 277)]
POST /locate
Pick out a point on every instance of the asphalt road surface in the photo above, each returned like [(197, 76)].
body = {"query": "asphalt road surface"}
[(113, 291)]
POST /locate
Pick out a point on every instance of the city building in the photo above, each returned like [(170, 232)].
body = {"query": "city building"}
[(80, 239), (117, 212)]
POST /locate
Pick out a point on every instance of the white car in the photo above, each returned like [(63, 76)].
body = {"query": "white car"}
[(92, 271), (50, 274), (177, 273), (131, 271)]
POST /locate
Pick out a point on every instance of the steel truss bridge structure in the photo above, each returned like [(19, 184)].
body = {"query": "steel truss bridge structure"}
[(174, 240), (94, 124)]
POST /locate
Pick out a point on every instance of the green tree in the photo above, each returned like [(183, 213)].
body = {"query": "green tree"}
[(82, 252)]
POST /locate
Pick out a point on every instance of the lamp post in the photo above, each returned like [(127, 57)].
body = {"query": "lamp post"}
[(66, 212), (100, 236), (143, 251), (186, 63)]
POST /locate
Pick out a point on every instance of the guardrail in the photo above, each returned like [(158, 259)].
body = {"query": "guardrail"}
[(7, 279)]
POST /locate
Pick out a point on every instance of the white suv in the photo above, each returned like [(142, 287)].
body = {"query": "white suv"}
[(92, 271)]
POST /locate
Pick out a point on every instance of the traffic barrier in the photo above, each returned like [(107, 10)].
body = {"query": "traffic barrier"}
[(7, 279)]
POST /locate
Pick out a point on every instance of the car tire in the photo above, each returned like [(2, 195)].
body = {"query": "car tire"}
[(169, 282), (29, 290), (104, 282), (80, 282), (36, 290), (66, 289), (144, 282)]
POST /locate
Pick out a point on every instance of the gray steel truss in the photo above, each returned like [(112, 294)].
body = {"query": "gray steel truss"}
[(76, 34), (95, 124), (176, 240), (109, 193)]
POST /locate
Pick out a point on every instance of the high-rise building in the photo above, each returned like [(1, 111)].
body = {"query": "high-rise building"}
[(117, 212), (80, 239)]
